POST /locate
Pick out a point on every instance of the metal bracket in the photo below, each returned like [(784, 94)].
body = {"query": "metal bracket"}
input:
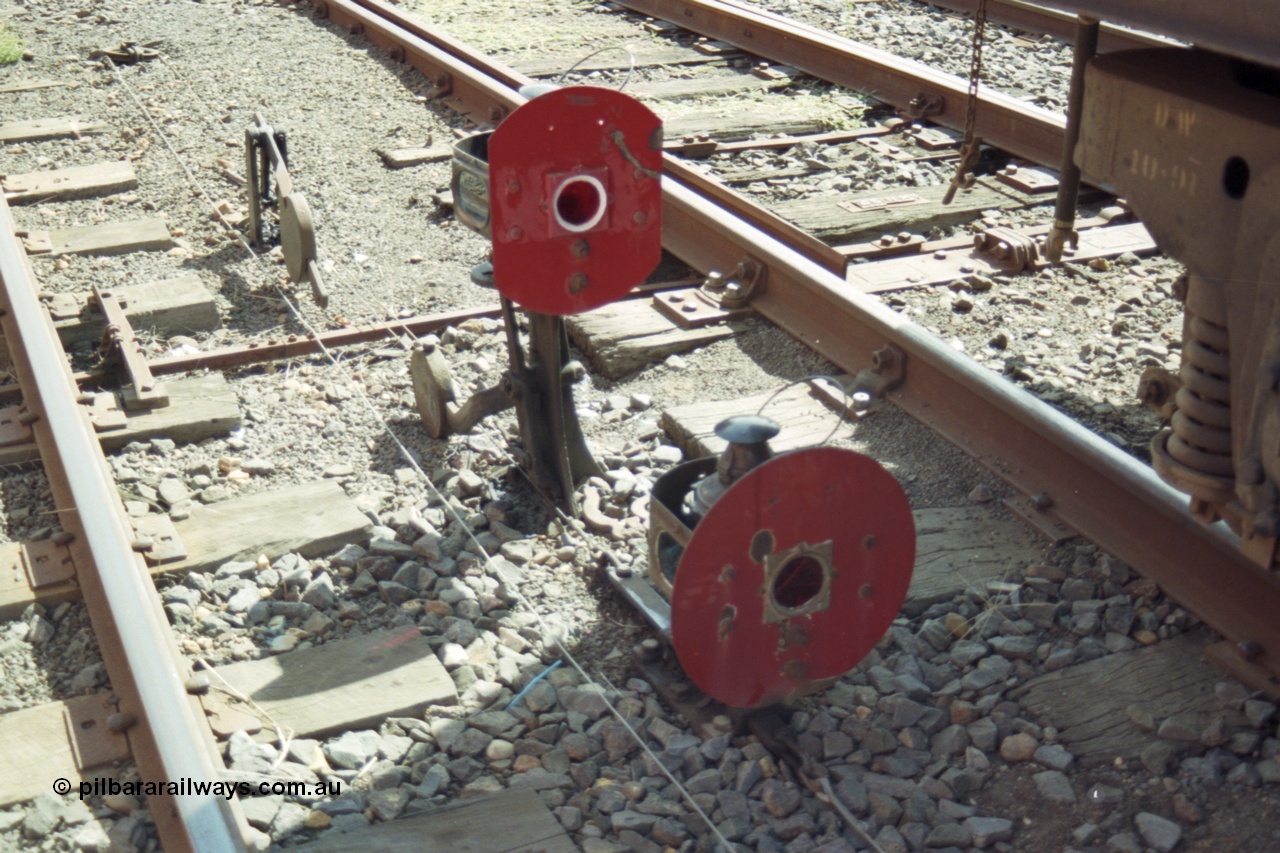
[(926, 103), (47, 563), (695, 307), (157, 539), (934, 138), (765, 71), (747, 282), (14, 429), (441, 85), (1033, 511), (888, 369), (1031, 180), (1012, 252), (267, 155), (120, 349), (93, 742)]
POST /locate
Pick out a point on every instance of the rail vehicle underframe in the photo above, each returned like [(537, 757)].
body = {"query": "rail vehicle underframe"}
[(1192, 139)]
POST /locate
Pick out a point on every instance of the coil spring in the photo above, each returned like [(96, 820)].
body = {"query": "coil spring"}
[(1201, 437)]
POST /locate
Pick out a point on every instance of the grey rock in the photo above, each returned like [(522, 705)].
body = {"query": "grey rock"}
[(635, 821), (1161, 833), (1258, 712), (181, 595), (387, 804), (588, 700), (395, 593), (1124, 842), (390, 547), (1268, 771), (1054, 756), (1015, 648), (950, 741), (985, 831), (1084, 833), (779, 799), (319, 592), (44, 816), (435, 779), (470, 484), (243, 599), (172, 490), (1182, 729), (948, 835), (91, 837), (290, 820), (93, 675), (1105, 795), (261, 811), (965, 652), (40, 630), (665, 454), (1054, 785), (348, 556), (983, 734), (248, 756), (352, 750)]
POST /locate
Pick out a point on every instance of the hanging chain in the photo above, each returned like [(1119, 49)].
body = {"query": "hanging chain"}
[(969, 149)]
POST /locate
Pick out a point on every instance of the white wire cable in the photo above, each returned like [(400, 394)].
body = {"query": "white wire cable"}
[(408, 456)]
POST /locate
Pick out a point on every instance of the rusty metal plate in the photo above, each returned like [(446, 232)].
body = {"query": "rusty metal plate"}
[(945, 266), (1030, 179), (166, 546), (576, 199), (105, 413), (92, 740), (47, 563), (12, 429), (883, 202), (935, 138), (886, 149), (689, 308), (792, 577), (227, 715)]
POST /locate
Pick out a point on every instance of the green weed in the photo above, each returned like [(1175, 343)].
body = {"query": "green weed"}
[(11, 46)]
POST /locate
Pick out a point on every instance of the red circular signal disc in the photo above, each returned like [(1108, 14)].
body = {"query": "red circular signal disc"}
[(575, 198), (792, 577)]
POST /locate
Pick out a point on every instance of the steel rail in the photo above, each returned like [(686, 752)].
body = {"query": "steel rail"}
[(1060, 25), (1027, 131), (1093, 487), (1245, 29), (137, 644)]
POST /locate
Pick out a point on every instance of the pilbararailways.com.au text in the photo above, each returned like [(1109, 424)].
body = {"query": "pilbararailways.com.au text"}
[(101, 787)]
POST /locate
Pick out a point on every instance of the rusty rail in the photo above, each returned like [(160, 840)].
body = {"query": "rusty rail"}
[(1027, 131), (1032, 18), (1088, 484), (1245, 29), (167, 738)]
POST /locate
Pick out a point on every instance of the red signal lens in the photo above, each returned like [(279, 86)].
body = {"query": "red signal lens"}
[(579, 203)]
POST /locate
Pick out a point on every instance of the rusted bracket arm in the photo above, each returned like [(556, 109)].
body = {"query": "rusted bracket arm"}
[(120, 348)]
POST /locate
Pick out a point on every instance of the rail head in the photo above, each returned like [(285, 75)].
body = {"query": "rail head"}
[(169, 742)]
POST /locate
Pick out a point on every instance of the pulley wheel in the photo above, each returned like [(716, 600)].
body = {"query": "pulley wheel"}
[(297, 235), (432, 389), (792, 577)]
